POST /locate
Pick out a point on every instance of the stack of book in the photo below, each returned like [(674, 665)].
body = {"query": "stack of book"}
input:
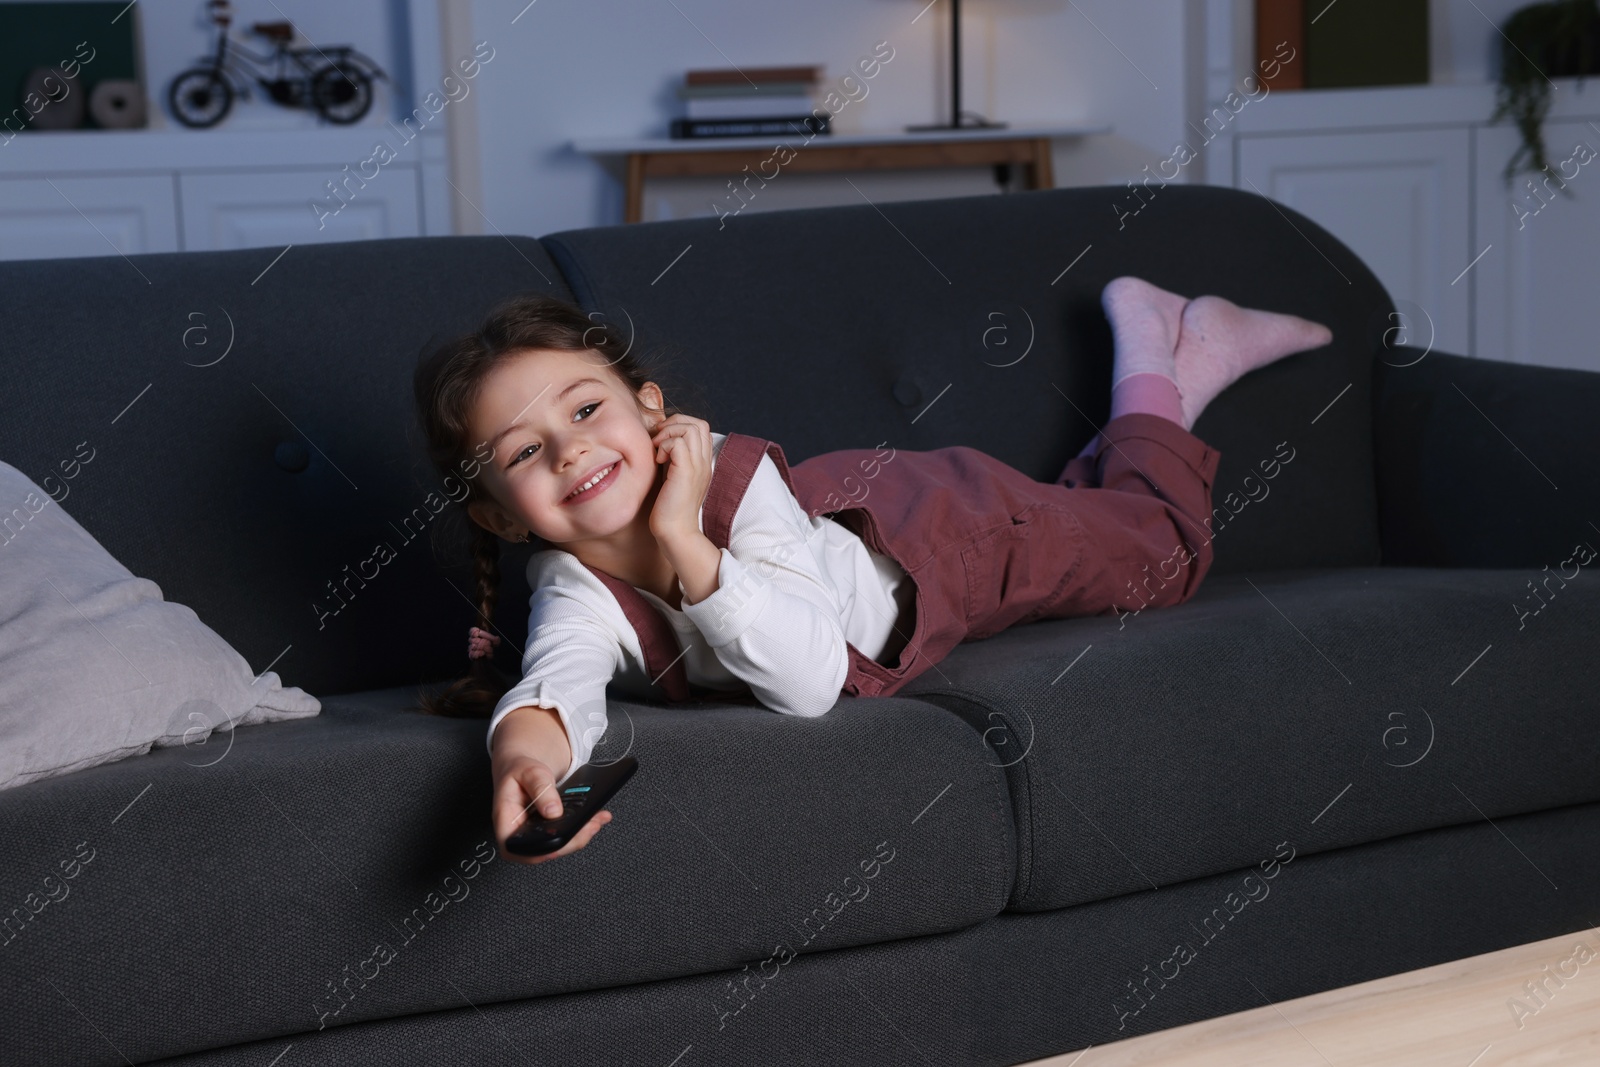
[(752, 102)]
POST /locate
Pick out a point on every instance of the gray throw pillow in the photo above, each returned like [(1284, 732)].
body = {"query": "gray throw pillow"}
[(94, 664)]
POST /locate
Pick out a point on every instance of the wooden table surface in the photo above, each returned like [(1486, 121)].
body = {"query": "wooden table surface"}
[(1458, 1014)]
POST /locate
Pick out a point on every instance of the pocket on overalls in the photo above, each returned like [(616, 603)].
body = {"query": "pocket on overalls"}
[(997, 562)]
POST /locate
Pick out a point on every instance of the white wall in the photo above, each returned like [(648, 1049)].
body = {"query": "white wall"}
[(1464, 39), (568, 70)]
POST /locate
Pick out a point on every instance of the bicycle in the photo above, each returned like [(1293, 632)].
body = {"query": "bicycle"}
[(340, 90)]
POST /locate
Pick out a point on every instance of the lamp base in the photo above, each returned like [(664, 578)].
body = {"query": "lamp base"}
[(950, 127)]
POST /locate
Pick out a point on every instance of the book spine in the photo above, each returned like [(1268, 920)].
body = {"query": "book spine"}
[(747, 107), (695, 92), (759, 127), (809, 75)]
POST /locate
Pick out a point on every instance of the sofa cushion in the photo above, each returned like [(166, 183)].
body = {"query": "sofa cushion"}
[(219, 897), (254, 448), (1364, 703), (1020, 987), (94, 665), (977, 321)]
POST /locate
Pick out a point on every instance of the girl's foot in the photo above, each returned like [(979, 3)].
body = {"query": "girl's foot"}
[(1145, 324), (1220, 342)]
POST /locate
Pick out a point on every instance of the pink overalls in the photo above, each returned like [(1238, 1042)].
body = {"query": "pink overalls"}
[(985, 546)]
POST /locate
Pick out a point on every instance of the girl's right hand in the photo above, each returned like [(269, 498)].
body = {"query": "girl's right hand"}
[(525, 788)]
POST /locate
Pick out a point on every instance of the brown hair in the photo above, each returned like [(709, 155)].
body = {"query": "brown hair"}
[(446, 385)]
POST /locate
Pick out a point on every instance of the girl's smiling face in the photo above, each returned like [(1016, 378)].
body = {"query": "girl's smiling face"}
[(554, 419)]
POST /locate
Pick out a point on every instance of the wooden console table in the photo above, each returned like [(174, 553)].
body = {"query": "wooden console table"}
[(674, 157)]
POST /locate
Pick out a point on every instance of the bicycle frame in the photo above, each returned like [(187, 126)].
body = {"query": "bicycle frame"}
[(246, 66)]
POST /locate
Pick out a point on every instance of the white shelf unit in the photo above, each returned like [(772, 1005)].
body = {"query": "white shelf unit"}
[(255, 180), (1410, 177)]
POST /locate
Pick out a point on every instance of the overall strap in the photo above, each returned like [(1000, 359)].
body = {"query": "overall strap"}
[(736, 465), (730, 477), (656, 638)]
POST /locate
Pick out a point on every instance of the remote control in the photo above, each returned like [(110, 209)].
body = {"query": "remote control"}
[(589, 789)]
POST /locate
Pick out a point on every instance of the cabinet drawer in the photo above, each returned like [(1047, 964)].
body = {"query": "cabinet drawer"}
[(1399, 198), (284, 207), (51, 218)]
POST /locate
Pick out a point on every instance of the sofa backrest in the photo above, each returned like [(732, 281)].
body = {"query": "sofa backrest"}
[(239, 429), (977, 321)]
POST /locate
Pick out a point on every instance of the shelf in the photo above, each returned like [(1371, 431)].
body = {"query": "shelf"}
[(629, 145), (163, 151), (1433, 106)]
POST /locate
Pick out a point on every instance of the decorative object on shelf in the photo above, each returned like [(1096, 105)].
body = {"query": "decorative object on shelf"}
[(1279, 23), (958, 117), (333, 80), (66, 108), (54, 55), (117, 104), (1553, 39), (752, 102), (1358, 43)]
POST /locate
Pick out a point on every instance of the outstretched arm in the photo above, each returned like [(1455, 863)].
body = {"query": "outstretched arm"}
[(569, 659)]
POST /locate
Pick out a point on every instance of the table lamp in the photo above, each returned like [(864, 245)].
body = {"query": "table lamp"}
[(956, 114)]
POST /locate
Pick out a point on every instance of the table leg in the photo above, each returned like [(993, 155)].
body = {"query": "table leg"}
[(1041, 172), (633, 196)]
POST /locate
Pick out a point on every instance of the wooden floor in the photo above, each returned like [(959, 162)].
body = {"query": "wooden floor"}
[(1459, 1014)]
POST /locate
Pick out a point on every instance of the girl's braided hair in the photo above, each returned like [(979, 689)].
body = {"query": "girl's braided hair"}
[(446, 384)]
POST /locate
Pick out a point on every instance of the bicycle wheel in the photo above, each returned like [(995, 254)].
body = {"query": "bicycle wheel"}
[(341, 95), (200, 97)]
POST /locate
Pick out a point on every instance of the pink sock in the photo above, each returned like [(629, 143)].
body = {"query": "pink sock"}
[(1149, 394), (1146, 322), (1219, 342), (1145, 393)]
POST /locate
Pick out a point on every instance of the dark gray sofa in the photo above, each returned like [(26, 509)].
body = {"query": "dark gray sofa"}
[(1348, 756)]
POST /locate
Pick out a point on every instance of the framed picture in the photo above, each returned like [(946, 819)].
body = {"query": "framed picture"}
[(1340, 44), (70, 66)]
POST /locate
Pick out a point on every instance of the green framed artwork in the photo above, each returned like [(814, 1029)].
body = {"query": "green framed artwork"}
[(89, 43)]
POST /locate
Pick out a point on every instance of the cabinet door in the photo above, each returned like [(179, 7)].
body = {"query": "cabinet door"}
[(1399, 199), (285, 207), (1535, 287), (99, 216)]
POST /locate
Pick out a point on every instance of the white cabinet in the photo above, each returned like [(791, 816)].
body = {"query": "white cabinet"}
[(253, 180), (295, 207), (52, 217), (199, 190), (1535, 285), (1410, 178), (1397, 198)]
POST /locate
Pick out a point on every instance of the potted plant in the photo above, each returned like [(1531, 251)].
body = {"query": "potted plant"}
[(1551, 39)]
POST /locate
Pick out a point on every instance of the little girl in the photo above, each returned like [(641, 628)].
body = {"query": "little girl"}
[(702, 564)]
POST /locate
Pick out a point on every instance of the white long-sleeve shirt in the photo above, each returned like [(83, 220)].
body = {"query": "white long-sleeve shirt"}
[(791, 590)]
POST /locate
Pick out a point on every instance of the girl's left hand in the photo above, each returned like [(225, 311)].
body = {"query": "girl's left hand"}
[(684, 443)]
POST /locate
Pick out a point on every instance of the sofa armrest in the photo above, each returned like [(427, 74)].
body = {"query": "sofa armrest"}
[(1484, 463)]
